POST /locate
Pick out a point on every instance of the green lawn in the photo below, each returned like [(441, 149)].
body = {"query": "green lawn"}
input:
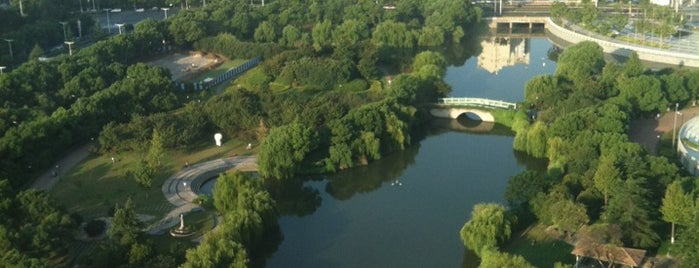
[(539, 249), (95, 185)]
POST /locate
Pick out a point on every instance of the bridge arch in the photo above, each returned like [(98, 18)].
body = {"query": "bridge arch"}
[(455, 112)]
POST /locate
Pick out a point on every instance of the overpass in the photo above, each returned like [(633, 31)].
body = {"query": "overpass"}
[(475, 108)]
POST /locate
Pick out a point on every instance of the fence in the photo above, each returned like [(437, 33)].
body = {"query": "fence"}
[(212, 82)]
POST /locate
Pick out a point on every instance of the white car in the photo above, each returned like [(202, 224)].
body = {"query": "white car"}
[(116, 10), (140, 10)]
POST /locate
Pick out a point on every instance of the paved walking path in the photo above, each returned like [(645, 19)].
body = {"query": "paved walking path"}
[(646, 131), (181, 188), (47, 180)]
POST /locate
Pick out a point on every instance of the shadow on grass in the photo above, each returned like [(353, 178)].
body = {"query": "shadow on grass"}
[(540, 249)]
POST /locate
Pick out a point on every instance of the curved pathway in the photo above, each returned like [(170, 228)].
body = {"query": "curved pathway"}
[(181, 188)]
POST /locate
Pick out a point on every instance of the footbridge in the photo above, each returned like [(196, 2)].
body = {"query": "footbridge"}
[(472, 107)]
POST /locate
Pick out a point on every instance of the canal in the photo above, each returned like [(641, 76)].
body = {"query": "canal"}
[(406, 210)]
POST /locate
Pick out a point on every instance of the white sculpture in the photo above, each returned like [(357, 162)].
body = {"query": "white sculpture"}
[(218, 138)]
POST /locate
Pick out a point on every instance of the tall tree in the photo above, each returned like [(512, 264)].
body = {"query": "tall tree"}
[(156, 151), (125, 227), (677, 207), (607, 177)]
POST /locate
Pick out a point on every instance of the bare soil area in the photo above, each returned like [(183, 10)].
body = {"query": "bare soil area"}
[(182, 66)]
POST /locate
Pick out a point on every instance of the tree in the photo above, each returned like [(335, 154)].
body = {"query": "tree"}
[(488, 225), (570, 217), (187, 27), (265, 32), (607, 177), (633, 67), (644, 92), (290, 35), (284, 149), (392, 34), (36, 52), (491, 258), (430, 58), (322, 35), (156, 151), (217, 251), (143, 173), (688, 240), (630, 208), (525, 185), (579, 62), (125, 227), (677, 207)]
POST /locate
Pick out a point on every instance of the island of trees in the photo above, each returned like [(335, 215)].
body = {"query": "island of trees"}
[(319, 102)]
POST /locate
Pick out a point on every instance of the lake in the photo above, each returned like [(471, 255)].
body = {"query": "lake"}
[(406, 209)]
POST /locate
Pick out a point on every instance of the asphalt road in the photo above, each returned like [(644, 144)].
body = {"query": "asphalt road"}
[(108, 20)]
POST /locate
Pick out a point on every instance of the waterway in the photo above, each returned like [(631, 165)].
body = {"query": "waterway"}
[(406, 210)]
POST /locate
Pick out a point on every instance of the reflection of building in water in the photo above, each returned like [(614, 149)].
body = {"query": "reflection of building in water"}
[(499, 52)]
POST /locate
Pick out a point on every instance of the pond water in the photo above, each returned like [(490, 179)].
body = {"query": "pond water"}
[(406, 210)]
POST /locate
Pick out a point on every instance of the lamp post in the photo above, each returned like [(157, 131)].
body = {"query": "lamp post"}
[(165, 9), (9, 43), (674, 126), (2, 68), (109, 25), (65, 35), (70, 47), (120, 26)]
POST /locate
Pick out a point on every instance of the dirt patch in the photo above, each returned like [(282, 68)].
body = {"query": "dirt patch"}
[(183, 66)]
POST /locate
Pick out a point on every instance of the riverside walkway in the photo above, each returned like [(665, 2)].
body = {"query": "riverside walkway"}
[(182, 188)]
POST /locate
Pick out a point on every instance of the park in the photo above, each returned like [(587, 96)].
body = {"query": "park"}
[(315, 125)]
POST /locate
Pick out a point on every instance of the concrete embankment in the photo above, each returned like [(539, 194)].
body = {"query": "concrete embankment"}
[(615, 47)]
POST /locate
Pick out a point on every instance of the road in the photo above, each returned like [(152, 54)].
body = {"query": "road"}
[(129, 17)]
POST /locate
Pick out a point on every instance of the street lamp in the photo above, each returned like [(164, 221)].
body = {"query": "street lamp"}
[(2, 68), (9, 43), (65, 36), (109, 25), (165, 9), (674, 125), (70, 47), (120, 26)]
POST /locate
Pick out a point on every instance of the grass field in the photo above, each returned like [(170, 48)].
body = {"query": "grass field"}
[(540, 249), (95, 185)]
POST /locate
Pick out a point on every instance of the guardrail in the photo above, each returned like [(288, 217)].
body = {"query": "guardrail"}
[(477, 102)]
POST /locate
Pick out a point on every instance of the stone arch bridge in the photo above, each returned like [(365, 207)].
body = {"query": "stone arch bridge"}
[(475, 108)]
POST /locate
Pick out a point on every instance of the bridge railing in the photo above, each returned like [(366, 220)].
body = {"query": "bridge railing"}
[(477, 102)]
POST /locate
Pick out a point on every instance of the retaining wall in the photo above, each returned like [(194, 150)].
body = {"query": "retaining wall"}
[(615, 47)]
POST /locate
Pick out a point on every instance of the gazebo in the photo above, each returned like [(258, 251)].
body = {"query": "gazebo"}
[(611, 254)]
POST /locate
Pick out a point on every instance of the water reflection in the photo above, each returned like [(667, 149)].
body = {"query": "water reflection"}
[(503, 51), (292, 197), (363, 179)]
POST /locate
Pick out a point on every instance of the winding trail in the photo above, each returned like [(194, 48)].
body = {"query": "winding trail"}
[(181, 188)]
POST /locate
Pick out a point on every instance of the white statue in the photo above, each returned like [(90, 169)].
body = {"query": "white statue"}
[(181, 221), (217, 138)]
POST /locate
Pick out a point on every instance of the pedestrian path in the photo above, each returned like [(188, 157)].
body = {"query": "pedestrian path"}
[(47, 180), (181, 189)]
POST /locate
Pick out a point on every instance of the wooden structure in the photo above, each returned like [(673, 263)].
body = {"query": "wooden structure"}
[(611, 254)]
